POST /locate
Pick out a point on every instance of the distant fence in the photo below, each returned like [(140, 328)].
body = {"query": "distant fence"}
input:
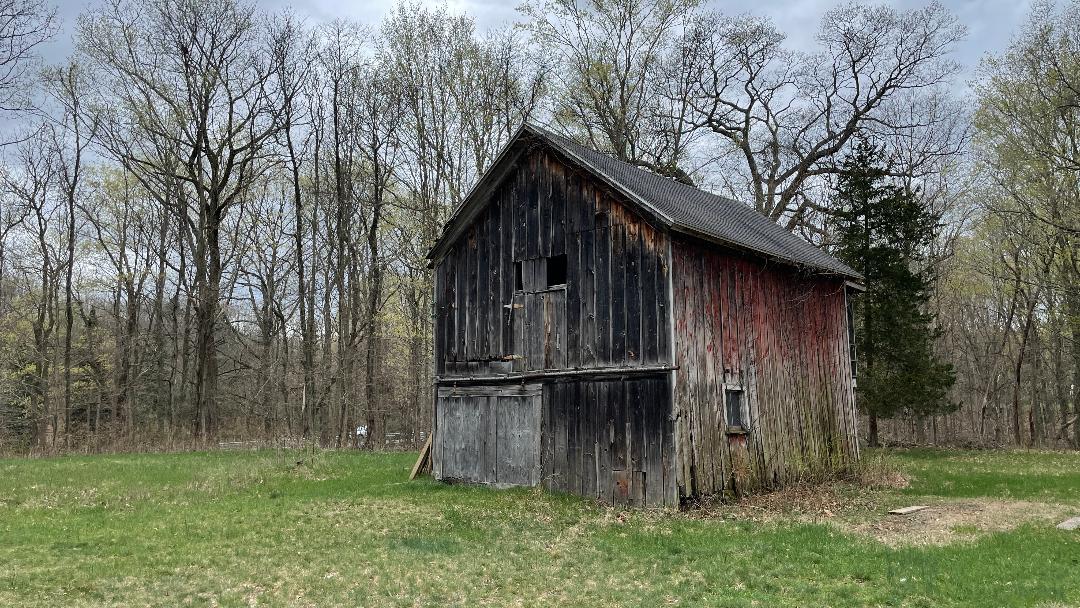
[(392, 441)]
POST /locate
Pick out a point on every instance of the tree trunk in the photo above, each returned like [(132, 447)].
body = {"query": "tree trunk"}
[(206, 314), (1073, 307), (1017, 417), (872, 435)]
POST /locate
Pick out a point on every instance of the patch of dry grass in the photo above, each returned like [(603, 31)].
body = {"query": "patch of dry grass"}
[(858, 502), (952, 521)]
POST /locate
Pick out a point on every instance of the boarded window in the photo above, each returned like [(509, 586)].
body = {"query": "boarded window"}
[(735, 410)]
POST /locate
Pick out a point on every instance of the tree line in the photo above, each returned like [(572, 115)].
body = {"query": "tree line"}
[(214, 219)]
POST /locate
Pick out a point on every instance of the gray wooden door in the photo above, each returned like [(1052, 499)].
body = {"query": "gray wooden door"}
[(539, 329), (488, 435)]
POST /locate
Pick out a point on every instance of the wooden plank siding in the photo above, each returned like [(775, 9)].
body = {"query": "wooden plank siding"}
[(609, 440), (610, 384), (779, 336), (608, 314)]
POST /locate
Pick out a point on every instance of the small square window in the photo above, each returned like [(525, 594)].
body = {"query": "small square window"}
[(733, 409), (556, 270)]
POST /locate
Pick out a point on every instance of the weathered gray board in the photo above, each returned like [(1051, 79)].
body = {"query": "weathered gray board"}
[(489, 435)]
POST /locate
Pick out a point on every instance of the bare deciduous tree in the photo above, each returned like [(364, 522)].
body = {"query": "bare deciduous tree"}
[(784, 116)]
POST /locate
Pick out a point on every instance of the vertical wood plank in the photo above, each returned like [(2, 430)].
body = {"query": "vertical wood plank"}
[(545, 204), (665, 310), (573, 443), (588, 439), (461, 305), (650, 283), (562, 442), (636, 437), (573, 299), (532, 193), (620, 474), (559, 322), (669, 450), (534, 330), (520, 202), (488, 440), (441, 318), (588, 280), (632, 331), (547, 438), (603, 441), (506, 284), (654, 406), (472, 331), (618, 296), (480, 304), (603, 297), (558, 209)]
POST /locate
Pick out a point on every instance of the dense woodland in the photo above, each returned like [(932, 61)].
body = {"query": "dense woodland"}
[(214, 219)]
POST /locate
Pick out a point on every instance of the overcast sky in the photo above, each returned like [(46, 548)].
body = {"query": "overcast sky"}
[(990, 22)]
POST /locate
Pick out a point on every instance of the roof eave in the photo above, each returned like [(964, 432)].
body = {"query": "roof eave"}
[(705, 236)]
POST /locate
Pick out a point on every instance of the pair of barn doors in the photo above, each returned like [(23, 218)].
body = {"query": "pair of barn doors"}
[(488, 435)]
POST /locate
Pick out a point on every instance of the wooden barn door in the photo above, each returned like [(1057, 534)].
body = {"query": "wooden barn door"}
[(540, 330), (488, 435), (538, 315), (611, 440)]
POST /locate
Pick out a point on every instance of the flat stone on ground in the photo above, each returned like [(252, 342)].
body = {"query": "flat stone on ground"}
[(1070, 524)]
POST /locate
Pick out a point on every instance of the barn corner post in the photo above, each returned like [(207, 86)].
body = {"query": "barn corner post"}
[(676, 483), (851, 290)]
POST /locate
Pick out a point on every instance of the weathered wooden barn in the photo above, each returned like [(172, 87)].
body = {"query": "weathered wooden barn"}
[(605, 331)]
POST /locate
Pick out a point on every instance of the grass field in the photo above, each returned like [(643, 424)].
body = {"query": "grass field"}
[(253, 528)]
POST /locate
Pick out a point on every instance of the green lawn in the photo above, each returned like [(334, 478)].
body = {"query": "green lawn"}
[(243, 528)]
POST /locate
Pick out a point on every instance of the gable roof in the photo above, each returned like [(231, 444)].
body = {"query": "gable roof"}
[(681, 207)]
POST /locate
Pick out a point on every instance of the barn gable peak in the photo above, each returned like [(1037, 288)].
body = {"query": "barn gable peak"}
[(677, 206)]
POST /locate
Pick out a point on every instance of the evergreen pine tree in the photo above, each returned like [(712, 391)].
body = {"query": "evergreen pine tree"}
[(884, 232)]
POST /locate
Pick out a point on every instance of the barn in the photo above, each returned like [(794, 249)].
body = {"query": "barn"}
[(608, 332)]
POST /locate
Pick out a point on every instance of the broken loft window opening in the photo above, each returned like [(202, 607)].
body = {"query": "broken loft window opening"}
[(556, 270), (519, 280)]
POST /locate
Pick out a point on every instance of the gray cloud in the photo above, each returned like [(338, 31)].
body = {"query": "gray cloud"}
[(990, 23)]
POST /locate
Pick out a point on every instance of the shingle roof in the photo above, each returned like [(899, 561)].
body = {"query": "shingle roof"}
[(683, 208), (698, 212)]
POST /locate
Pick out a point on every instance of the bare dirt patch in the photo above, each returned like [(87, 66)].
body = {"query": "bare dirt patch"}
[(954, 521), (860, 506)]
